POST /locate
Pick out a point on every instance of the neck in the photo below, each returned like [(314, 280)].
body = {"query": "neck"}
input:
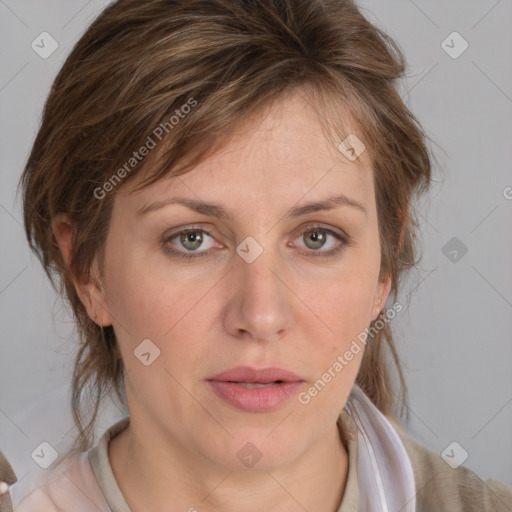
[(173, 479)]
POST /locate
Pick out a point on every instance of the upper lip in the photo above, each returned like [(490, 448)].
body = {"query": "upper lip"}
[(263, 375)]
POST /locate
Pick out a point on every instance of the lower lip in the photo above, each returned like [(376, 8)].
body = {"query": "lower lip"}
[(255, 399)]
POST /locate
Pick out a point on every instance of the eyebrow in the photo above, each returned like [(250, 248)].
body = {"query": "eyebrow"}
[(215, 210)]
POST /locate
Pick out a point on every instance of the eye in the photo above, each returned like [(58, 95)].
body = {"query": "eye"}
[(319, 237), (188, 242)]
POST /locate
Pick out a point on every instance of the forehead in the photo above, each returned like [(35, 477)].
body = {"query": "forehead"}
[(285, 151)]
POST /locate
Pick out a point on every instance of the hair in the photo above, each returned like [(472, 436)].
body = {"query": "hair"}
[(129, 79)]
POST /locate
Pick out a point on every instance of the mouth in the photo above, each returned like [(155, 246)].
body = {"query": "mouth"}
[(253, 390)]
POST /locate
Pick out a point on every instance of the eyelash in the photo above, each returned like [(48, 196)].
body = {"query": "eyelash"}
[(345, 239)]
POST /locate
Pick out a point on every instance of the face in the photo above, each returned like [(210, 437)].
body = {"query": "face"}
[(269, 285)]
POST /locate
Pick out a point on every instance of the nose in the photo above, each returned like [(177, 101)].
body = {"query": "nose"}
[(259, 304)]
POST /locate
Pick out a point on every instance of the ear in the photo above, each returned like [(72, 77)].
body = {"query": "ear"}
[(381, 296), (88, 288)]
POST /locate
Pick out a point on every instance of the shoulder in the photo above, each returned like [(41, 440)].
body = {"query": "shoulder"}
[(445, 489), (68, 486)]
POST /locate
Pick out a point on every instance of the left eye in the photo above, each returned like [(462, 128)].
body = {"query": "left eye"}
[(316, 237)]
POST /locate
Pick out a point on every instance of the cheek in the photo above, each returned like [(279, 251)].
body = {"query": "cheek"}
[(337, 341), (147, 305), (142, 301), (148, 301), (335, 357), (345, 304)]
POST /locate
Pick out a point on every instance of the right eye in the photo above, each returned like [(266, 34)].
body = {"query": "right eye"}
[(188, 241)]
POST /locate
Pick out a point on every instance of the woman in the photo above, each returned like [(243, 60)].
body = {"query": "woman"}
[(224, 190)]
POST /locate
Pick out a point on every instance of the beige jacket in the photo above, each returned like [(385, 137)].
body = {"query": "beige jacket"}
[(84, 482)]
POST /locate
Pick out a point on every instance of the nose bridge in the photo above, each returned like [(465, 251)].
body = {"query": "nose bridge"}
[(261, 301), (261, 274), (260, 277)]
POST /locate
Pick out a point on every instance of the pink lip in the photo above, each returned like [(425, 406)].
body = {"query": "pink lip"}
[(248, 374), (227, 386)]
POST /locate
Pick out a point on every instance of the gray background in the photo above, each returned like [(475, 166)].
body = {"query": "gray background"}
[(455, 337)]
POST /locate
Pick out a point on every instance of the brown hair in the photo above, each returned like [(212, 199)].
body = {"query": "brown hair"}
[(138, 64)]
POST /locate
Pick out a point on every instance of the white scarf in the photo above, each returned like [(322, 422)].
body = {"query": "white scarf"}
[(384, 472)]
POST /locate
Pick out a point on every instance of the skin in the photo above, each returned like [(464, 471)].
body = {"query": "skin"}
[(286, 309)]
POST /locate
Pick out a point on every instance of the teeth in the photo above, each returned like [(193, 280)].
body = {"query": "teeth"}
[(254, 385)]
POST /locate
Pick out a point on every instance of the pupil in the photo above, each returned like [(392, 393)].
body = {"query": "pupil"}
[(192, 238), (316, 236)]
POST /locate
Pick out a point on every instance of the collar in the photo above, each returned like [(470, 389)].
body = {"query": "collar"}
[(385, 474)]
